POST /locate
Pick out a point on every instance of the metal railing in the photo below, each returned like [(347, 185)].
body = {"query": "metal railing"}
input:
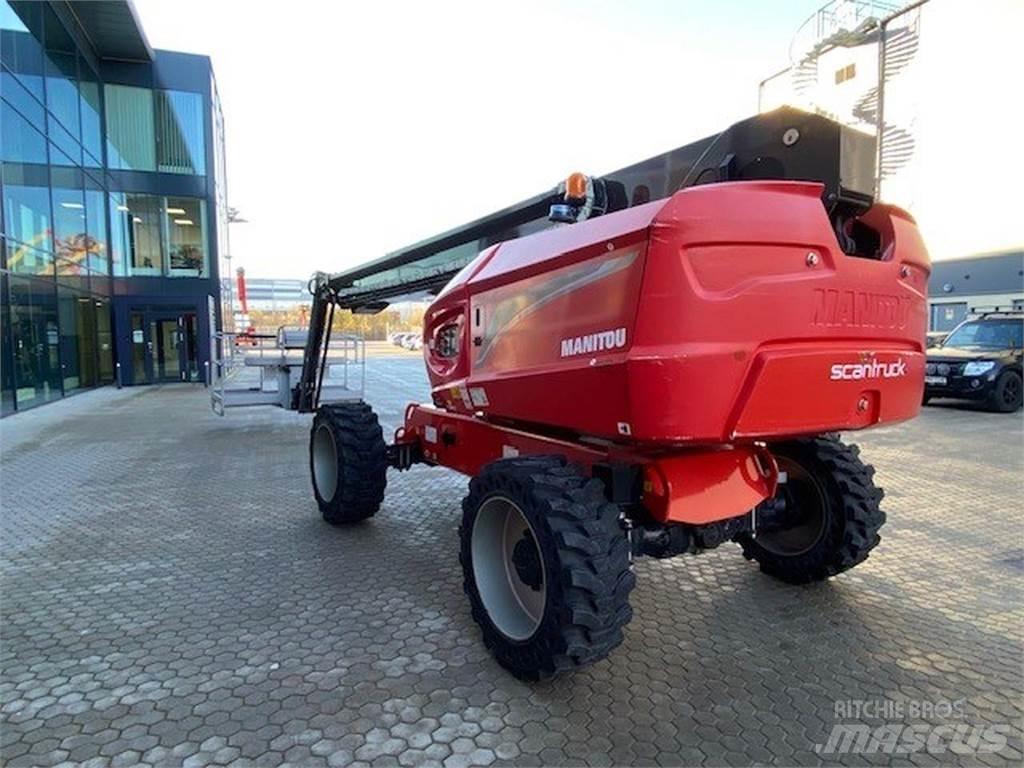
[(834, 19), (255, 369)]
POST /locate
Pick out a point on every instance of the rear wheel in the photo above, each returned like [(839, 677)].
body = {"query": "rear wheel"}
[(348, 462), (546, 566), (1007, 393), (831, 513)]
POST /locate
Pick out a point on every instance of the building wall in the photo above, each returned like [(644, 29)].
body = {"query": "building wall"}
[(960, 286), (110, 210), (271, 294)]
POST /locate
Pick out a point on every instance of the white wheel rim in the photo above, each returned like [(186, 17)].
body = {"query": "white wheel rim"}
[(325, 462), (515, 607)]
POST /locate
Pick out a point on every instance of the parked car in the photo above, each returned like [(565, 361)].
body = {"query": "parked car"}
[(980, 360), (935, 338), (400, 339)]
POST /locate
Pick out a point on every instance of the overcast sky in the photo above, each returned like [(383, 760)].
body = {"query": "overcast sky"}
[(355, 128)]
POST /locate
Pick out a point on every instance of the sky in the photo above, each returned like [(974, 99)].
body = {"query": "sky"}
[(356, 128)]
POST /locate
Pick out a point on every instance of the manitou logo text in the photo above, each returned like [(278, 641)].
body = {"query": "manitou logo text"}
[(872, 370), (859, 309), (594, 342)]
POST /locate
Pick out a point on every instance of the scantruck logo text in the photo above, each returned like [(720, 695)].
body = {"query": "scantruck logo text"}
[(872, 370), (594, 342)]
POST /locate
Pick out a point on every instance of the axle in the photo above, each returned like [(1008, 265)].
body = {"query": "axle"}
[(662, 540)]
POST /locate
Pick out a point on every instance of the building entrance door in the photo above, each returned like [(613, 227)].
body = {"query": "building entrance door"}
[(163, 347), (166, 341)]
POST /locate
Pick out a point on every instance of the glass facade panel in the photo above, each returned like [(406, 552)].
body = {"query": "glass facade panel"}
[(179, 120), (19, 141), (35, 341), (24, 259), (20, 50), (131, 138), (92, 133), (120, 240), (70, 349), (62, 90), (6, 351), (96, 229), (68, 150), (19, 97), (70, 239), (136, 234), (61, 67), (186, 236), (77, 314), (26, 196), (105, 341)]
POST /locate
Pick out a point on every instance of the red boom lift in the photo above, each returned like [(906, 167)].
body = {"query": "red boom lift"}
[(646, 378)]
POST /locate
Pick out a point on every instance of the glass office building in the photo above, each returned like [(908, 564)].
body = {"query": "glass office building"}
[(114, 203)]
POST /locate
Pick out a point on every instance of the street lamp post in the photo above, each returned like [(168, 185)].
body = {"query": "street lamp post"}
[(234, 217)]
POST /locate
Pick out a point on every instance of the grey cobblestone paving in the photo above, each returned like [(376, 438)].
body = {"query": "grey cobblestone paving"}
[(170, 597)]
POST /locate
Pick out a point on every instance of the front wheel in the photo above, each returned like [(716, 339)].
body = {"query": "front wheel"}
[(1008, 393), (546, 566), (348, 462), (830, 513)]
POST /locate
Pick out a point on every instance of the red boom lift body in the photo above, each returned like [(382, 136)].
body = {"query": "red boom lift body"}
[(673, 329), (690, 359)]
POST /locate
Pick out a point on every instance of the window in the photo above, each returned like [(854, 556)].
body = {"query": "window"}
[(19, 141), (62, 90), (61, 78), (846, 73), (35, 341), (27, 218), (154, 130), (143, 228), (991, 334), (135, 234), (145, 236), (96, 229), (19, 97), (119, 239), (92, 136), (186, 232), (131, 138), (20, 33), (70, 241), (179, 120)]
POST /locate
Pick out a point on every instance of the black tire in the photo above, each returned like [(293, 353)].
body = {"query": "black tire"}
[(586, 577), (347, 462), (1007, 394), (925, 399), (835, 508)]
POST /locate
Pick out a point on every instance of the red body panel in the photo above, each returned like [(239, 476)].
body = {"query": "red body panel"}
[(724, 313), (695, 486)]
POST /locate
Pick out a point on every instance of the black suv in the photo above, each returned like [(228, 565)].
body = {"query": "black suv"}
[(979, 360)]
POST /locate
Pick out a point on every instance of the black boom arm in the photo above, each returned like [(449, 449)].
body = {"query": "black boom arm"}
[(314, 358)]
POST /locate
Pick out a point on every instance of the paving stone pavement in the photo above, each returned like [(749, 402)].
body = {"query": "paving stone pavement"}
[(170, 596)]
